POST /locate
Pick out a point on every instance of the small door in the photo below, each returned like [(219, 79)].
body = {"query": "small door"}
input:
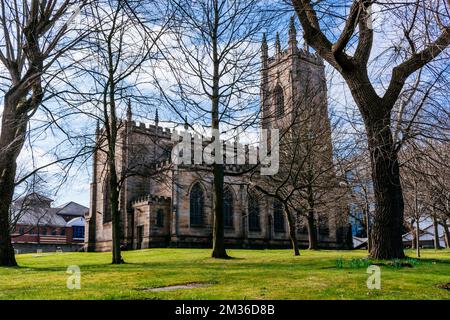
[(140, 237)]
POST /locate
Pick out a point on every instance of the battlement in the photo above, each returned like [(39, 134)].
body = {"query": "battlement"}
[(301, 54), (237, 157), (151, 128), (149, 198), (228, 168)]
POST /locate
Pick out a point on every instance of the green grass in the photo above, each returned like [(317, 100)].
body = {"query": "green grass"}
[(252, 274)]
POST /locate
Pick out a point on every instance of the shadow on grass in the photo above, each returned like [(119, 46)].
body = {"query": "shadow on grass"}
[(207, 263), (225, 259)]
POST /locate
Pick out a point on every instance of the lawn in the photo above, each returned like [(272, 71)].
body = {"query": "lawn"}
[(251, 274)]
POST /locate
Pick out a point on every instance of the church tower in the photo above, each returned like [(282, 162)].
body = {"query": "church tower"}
[(294, 100), (292, 83)]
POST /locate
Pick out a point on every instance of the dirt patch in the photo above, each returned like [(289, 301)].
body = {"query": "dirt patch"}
[(190, 285), (445, 286)]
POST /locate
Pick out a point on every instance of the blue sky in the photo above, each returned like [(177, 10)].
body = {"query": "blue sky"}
[(75, 186)]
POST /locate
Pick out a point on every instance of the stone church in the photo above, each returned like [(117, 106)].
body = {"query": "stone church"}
[(173, 208)]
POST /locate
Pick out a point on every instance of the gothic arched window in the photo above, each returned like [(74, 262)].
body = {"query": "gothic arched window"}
[(253, 213), (107, 217), (278, 99), (197, 201), (278, 216), (160, 218), (228, 208)]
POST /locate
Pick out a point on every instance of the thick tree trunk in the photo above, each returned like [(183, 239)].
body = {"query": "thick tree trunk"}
[(219, 250), (12, 138), (388, 218), (7, 190), (312, 231), (387, 226), (292, 231)]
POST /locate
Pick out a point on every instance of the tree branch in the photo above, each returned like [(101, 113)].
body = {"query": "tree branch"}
[(414, 63)]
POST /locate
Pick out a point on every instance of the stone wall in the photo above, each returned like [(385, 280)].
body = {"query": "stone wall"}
[(302, 79)]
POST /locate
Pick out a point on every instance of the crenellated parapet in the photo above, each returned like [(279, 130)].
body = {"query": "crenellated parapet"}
[(150, 199), (301, 54), (150, 128)]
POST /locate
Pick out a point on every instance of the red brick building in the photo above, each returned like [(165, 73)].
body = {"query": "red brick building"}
[(37, 225)]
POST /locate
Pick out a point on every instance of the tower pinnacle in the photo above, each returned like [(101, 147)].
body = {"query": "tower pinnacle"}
[(277, 45), (129, 113), (292, 30), (186, 125), (264, 48), (292, 36)]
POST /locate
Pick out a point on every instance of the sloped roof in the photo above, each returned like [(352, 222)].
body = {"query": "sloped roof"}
[(34, 196), (39, 216), (72, 209)]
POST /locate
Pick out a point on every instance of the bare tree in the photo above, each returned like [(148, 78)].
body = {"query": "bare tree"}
[(414, 185), (35, 34), (121, 44), (349, 53), (424, 173), (215, 65)]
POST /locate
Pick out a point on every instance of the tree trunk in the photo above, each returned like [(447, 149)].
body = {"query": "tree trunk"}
[(417, 238), (12, 138), (413, 238), (312, 231), (436, 232), (446, 233), (115, 215), (219, 250), (292, 230), (388, 218), (8, 170), (7, 189), (369, 238), (112, 132)]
